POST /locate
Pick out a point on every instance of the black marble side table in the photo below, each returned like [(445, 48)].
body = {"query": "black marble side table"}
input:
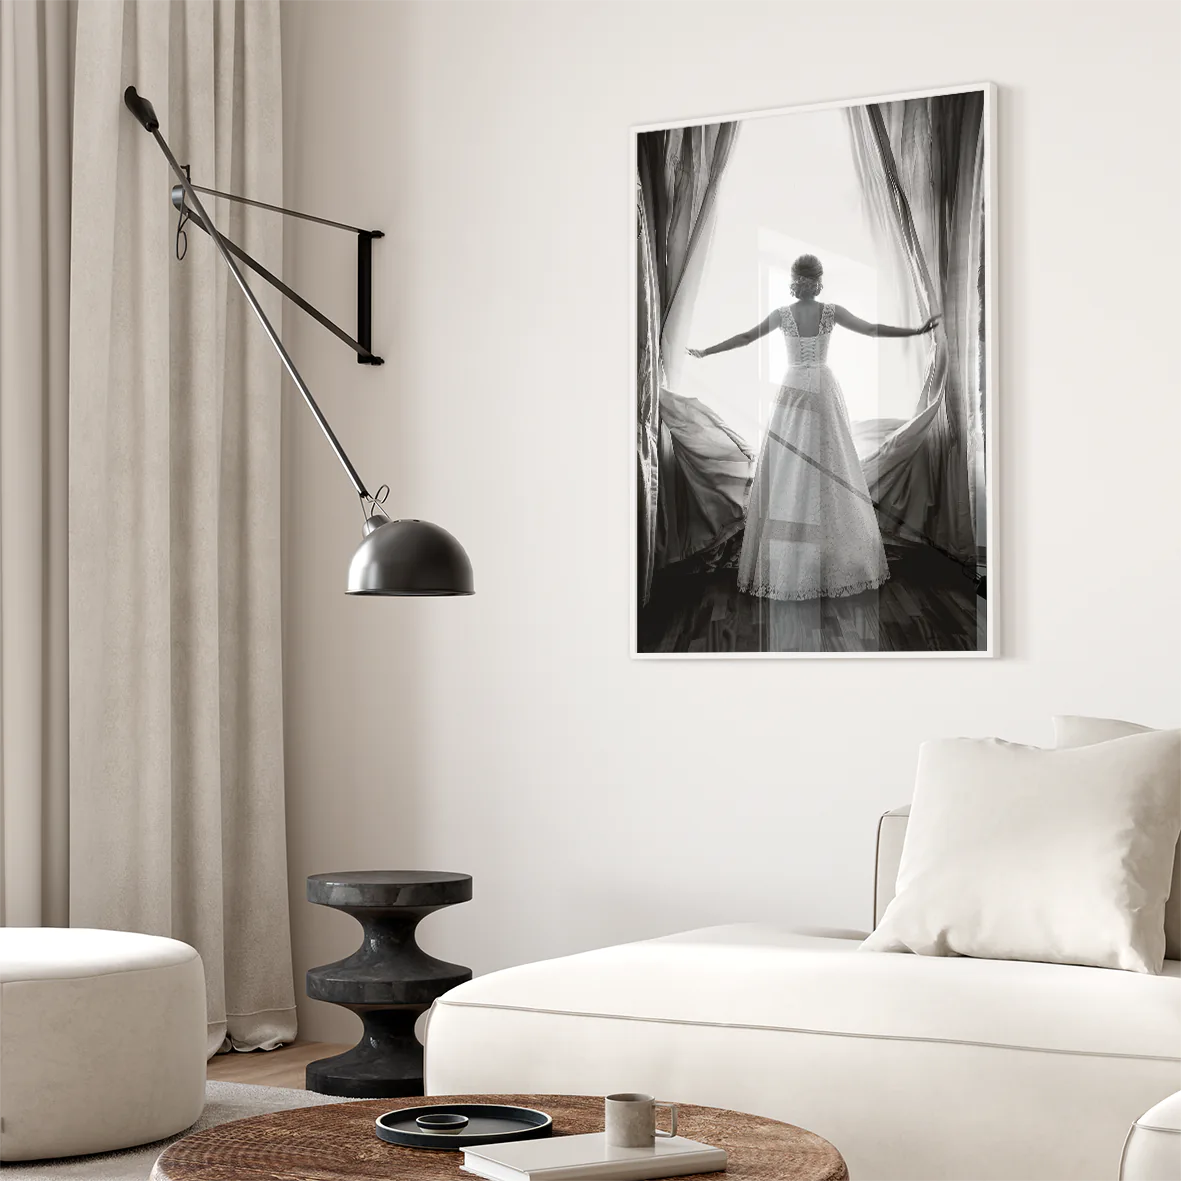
[(388, 981)]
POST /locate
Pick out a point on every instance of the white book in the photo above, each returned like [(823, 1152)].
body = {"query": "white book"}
[(584, 1158)]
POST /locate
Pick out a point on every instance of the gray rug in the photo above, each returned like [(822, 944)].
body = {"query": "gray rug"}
[(223, 1102)]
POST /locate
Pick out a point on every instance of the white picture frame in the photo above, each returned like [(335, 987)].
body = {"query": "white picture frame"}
[(988, 627)]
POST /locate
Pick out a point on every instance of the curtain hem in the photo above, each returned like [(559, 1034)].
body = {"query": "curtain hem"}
[(238, 1035)]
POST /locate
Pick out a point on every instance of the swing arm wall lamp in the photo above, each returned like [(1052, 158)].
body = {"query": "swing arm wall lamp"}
[(405, 557)]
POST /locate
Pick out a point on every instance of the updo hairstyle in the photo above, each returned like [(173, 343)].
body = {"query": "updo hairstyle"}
[(807, 275)]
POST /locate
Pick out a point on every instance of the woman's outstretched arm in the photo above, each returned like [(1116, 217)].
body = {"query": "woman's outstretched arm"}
[(846, 319), (743, 338)]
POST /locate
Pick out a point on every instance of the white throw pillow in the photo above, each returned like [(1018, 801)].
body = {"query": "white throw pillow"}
[(1019, 853), (1074, 731)]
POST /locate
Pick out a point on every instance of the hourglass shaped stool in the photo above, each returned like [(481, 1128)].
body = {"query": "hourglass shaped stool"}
[(388, 981)]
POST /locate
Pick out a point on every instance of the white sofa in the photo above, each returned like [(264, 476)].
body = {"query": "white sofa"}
[(913, 1066)]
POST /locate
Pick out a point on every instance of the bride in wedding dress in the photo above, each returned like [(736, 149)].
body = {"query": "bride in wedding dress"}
[(811, 528)]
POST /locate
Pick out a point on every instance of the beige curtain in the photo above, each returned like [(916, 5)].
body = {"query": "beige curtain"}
[(176, 796), (35, 79)]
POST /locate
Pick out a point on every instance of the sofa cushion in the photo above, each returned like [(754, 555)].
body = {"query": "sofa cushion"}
[(760, 977)]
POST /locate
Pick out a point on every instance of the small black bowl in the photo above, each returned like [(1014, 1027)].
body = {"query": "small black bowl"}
[(442, 1121)]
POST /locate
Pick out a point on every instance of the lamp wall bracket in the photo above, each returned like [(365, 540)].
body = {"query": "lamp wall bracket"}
[(362, 344)]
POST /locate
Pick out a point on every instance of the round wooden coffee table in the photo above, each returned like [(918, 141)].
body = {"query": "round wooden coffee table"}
[(336, 1142)]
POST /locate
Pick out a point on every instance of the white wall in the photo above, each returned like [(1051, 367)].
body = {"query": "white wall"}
[(509, 735)]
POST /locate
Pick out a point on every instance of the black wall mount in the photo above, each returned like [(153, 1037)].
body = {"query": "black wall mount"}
[(362, 344)]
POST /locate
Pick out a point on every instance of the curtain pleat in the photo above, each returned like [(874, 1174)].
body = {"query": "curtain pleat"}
[(690, 497), (35, 87), (177, 783), (705, 479), (647, 387), (921, 167)]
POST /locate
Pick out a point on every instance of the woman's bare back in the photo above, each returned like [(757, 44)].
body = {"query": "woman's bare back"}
[(806, 313)]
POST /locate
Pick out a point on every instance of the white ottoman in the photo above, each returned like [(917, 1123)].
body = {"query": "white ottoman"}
[(1153, 1148), (102, 1040)]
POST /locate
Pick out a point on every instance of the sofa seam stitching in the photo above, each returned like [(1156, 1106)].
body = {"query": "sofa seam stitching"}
[(887, 1037)]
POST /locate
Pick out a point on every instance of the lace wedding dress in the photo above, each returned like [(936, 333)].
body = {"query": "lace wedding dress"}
[(811, 529)]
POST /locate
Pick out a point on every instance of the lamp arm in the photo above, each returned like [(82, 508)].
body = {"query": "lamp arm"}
[(143, 111), (362, 352)]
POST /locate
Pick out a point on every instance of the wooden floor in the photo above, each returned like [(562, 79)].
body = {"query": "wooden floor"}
[(928, 605), (283, 1067)]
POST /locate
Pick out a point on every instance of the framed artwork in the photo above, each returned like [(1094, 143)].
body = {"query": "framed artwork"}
[(815, 369)]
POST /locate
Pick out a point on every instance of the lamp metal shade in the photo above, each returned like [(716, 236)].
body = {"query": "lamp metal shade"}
[(409, 558)]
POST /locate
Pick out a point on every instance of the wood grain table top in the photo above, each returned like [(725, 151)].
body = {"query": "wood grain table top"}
[(336, 1142)]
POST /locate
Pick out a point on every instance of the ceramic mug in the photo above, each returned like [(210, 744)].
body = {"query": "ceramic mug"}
[(630, 1119)]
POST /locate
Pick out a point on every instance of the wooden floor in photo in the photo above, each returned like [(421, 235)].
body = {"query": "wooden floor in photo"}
[(929, 604), (283, 1067)]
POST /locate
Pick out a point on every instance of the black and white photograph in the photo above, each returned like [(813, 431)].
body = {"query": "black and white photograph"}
[(814, 369)]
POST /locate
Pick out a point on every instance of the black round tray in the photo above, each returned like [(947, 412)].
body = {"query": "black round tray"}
[(488, 1123)]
